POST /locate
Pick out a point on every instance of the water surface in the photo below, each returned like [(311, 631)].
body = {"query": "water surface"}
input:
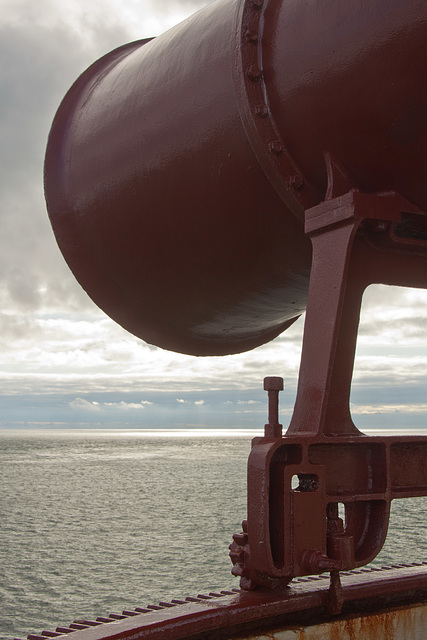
[(96, 521)]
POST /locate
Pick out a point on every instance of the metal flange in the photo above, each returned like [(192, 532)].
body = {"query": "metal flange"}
[(252, 92)]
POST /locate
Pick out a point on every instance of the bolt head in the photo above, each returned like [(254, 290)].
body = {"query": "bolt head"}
[(273, 383), (251, 36), (296, 182), (254, 73), (262, 111), (276, 147)]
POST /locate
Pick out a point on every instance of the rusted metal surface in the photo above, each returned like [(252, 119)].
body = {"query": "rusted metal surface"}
[(178, 171), (372, 598), (404, 623)]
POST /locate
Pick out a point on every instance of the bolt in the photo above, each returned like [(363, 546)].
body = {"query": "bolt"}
[(240, 538), (273, 385), (296, 182), (276, 147), (254, 73), (251, 36), (381, 225), (261, 111)]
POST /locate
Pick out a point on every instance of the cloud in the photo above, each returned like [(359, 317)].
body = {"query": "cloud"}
[(81, 403), (86, 405), (45, 46), (176, 7), (386, 409), (58, 352)]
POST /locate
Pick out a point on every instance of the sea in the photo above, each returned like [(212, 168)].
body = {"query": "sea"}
[(97, 521)]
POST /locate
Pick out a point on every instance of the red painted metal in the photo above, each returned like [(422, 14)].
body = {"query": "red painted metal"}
[(239, 614), (296, 530), (179, 174), (178, 171)]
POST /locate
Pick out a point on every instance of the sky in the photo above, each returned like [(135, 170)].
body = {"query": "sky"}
[(63, 362)]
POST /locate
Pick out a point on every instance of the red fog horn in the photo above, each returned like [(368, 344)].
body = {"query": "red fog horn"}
[(178, 170)]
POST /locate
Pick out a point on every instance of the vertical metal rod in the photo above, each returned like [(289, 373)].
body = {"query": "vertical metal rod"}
[(273, 385)]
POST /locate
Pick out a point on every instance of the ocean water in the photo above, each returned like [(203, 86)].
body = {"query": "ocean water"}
[(93, 522)]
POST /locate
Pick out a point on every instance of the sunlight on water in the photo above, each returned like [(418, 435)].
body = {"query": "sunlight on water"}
[(97, 521)]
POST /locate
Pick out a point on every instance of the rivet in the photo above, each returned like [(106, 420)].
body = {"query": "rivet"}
[(296, 182), (262, 111), (257, 4), (276, 147), (254, 72)]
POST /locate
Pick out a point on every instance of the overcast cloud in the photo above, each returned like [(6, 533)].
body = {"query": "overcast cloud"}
[(63, 362)]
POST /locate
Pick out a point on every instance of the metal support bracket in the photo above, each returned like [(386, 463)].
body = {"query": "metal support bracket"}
[(319, 497)]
